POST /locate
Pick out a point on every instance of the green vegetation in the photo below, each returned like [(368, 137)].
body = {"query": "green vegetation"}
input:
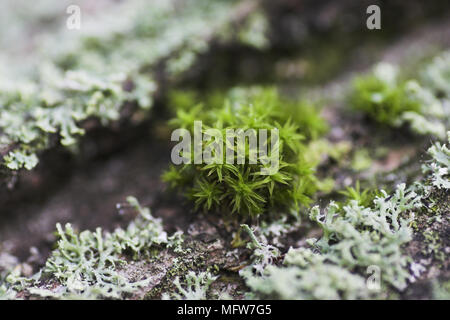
[(381, 96), (389, 100), (363, 198), (305, 276), (242, 186)]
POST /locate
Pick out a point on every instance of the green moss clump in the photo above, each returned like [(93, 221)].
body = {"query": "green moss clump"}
[(388, 100), (362, 197), (242, 187), (381, 97)]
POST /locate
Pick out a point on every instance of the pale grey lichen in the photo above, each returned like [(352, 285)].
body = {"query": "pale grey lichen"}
[(439, 166), (263, 253), (305, 275), (87, 265), (277, 229), (354, 238), (437, 74), (94, 72), (8, 265), (194, 287)]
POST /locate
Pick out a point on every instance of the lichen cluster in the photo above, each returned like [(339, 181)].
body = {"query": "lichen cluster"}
[(440, 165), (386, 97), (88, 265), (356, 239), (97, 71)]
